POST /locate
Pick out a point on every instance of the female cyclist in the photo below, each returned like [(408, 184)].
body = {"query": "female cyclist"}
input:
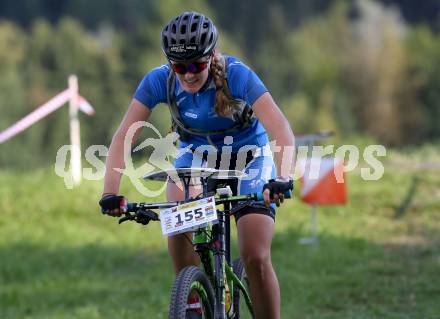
[(218, 105)]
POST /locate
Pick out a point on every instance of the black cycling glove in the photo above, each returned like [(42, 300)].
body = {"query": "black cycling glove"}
[(278, 186), (111, 202)]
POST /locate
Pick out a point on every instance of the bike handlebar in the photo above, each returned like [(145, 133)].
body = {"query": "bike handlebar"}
[(144, 214), (133, 207)]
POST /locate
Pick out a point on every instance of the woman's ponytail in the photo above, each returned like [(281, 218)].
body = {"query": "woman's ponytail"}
[(224, 102)]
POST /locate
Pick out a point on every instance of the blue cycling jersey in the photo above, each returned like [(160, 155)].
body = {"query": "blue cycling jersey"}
[(197, 109)]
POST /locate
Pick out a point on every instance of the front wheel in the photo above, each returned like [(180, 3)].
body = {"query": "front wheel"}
[(241, 308), (191, 284)]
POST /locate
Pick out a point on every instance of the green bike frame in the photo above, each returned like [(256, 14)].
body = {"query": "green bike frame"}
[(212, 243), (213, 246)]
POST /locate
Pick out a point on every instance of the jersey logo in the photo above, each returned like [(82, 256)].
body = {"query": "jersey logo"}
[(191, 115)]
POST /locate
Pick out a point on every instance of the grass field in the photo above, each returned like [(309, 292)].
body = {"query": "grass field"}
[(60, 258)]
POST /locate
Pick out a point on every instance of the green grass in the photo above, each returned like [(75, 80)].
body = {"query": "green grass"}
[(60, 258)]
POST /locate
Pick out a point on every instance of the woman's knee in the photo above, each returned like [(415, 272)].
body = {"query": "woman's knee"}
[(256, 260), (182, 252), (255, 233)]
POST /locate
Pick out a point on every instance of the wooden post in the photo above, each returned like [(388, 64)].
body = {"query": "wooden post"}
[(75, 141)]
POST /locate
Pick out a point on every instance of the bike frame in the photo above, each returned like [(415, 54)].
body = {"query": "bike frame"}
[(213, 247), (212, 243), (215, 252)]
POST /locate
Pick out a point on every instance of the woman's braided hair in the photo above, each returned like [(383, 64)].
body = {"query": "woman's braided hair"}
[(225, 104)]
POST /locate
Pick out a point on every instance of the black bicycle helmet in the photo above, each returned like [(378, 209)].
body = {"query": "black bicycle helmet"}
[(189, 36)]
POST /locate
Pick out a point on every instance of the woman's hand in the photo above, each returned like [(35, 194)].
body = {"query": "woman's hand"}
[(274, 190), (113, 205)]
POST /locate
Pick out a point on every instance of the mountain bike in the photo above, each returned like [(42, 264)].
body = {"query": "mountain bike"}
[(221, 286)]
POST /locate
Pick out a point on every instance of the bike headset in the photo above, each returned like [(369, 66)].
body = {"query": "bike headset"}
[(188, 37)]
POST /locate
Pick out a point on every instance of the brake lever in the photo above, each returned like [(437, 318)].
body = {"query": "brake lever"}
[(127, 216), (144, 216)]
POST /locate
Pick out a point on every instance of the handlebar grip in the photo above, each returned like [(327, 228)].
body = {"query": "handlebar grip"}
[(287, 194)]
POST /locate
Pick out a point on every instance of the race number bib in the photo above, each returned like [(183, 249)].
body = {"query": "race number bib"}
[(188, 216)]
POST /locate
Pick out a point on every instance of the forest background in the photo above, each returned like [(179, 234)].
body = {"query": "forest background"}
[(364, 69)]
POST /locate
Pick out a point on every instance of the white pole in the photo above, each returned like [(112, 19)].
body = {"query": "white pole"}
[(75, 141), (314, 223), (313, 239)]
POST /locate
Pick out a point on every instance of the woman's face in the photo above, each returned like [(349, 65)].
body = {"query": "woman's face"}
[(192, 75)]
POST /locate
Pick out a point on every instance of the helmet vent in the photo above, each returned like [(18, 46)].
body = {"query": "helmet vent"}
[(210, 38), (173, 29), (183, 29), (203, 38), (193, 27), (182, 41), (192, 40), (205, 25)]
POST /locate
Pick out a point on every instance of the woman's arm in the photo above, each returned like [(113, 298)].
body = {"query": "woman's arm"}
[(279, 130), (136, 112)]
